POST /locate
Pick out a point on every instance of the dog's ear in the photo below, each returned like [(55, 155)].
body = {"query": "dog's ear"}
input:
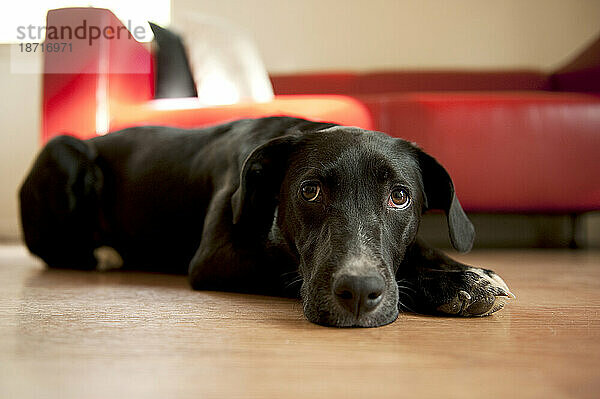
[(439, 194), (255, 199)]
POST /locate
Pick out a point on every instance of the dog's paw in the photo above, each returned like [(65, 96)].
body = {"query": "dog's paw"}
[(107, 259), (479, 292)]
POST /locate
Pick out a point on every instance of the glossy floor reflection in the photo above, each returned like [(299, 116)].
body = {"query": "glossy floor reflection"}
[(72, 334)]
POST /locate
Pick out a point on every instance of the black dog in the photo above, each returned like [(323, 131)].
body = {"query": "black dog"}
[(275, 205)]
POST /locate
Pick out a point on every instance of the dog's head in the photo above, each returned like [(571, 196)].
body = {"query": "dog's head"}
[(348, 204)]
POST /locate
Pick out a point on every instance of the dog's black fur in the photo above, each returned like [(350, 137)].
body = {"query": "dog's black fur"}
[(275, 205)]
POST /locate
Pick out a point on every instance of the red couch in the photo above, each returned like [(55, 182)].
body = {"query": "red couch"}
[(513, 141), (520, 141)]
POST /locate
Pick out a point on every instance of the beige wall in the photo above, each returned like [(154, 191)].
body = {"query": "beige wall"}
[(368, 34), (339, 34), (20, 104)]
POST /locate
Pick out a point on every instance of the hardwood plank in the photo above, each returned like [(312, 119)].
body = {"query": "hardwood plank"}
[(76, 334)]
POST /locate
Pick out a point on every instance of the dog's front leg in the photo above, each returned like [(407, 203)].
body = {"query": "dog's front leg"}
[(431, 282), (230, 260)]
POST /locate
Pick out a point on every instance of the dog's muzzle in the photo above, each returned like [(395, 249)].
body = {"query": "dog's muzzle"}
[(351, 300)]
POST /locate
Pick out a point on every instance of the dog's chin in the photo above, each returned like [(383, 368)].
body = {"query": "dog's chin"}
[(345, 320), (328, 313)]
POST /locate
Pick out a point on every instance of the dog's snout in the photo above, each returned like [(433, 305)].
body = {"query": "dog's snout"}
[(359, 294)]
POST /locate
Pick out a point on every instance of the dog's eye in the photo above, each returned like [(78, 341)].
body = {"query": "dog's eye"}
[(399, 199), (310, 191)]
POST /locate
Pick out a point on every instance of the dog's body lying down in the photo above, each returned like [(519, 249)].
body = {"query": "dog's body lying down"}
[(274, 205)]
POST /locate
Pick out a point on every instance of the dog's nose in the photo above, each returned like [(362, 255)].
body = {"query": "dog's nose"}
[(359, 294)]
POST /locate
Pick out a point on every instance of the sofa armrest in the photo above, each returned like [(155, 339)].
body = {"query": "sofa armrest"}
[(85, 82)]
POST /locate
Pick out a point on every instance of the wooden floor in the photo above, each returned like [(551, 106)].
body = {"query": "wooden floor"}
[(132, 335)]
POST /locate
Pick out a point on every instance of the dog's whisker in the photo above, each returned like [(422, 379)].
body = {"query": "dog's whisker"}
[(285, 274), (403, 297), (402, 306), (407, 287), (402, 294), (406, 292), (406, 296), (295, 281)]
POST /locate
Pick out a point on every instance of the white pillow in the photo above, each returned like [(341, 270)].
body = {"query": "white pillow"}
[(225, 63)]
